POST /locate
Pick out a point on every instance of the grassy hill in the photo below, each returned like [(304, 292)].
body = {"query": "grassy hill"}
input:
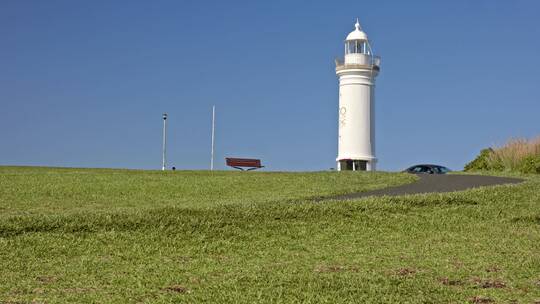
[(127, 236)]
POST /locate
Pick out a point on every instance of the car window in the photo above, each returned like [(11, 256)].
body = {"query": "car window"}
[(417, 169), (443, 169)]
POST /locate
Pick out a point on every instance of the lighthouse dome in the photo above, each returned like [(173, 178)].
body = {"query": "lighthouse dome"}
[(357, 34)]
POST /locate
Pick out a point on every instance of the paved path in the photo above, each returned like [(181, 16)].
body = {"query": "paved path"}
[(430, 183)]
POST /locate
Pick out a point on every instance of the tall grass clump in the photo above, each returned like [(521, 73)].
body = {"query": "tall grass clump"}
[(517, 155)]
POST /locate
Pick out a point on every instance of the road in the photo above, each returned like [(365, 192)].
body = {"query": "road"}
[(436, 183)]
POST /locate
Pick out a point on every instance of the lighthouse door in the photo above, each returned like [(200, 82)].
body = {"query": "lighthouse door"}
[(353, 165), (360, 165)]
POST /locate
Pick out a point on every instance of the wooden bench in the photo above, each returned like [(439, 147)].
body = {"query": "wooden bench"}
[(240, 163)]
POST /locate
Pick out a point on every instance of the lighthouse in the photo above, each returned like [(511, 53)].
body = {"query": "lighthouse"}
[(356, 73)]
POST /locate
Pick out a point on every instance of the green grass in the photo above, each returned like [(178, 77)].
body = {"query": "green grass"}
[(102, 236), (41, 190)]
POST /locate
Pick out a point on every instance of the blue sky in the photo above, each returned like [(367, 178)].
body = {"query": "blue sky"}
[(84, 83)]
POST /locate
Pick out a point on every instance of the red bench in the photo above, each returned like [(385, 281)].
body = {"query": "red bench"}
[(240, 163)]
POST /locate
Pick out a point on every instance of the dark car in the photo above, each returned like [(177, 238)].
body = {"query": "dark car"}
[(427, 169)]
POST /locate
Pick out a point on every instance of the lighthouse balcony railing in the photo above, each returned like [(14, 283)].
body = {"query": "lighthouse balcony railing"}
[(352, 60)]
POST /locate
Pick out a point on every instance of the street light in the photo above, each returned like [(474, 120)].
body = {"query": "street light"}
[(164, 142)]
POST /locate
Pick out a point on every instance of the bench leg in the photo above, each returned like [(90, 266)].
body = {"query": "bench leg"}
[(239, 168), (255, 168)]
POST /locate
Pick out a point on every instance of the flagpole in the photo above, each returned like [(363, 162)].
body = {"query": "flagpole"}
[(213, 127)]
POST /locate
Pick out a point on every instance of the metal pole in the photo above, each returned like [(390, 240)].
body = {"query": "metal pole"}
[(213, 127), (164, 158)]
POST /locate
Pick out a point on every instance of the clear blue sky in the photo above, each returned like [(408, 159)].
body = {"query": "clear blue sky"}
[(84, 83)]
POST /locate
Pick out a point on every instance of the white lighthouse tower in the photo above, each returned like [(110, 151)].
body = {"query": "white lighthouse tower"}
[(356, 143)]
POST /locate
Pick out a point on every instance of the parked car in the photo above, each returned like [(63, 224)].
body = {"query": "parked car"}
[(427, 169)]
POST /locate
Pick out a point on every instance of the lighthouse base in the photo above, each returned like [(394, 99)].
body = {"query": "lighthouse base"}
[(356, 165)]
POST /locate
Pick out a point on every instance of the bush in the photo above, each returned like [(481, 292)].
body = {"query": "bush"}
[(517, 155), (481, 162), (514, 152), (530, 164)]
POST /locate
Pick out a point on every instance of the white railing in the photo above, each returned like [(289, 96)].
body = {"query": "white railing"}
[(359, 59)]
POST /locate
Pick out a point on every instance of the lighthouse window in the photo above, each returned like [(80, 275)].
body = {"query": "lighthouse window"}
[(356, 47), (350, 47)]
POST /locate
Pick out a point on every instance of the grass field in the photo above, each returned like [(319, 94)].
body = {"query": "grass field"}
[(123, 236)]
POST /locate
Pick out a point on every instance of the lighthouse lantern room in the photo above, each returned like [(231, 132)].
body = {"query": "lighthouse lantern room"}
[(356, 73)]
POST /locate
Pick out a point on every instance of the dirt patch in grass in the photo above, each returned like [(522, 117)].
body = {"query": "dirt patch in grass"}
[(479, 299), (529, 219), (406, 271), (46, 279), (489, 283), (458, 264), (493, 269), (493, 284), (448, 282), (176, 289)]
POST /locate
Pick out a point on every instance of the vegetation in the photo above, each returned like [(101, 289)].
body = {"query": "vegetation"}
[(117, 236), (518, 155), (59, 191), (481, 162)]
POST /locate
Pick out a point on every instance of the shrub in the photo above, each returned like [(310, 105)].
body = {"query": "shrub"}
[(512, 154), (530, 164), (518, 155), (481, 162)]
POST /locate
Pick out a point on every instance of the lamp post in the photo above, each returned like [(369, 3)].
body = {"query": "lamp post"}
[(164, 158)]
